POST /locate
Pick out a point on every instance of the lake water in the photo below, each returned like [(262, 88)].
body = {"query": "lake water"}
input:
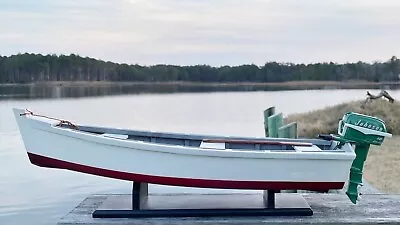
[(33, 195)]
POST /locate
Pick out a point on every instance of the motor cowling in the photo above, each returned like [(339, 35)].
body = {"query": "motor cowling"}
[(362, 129)]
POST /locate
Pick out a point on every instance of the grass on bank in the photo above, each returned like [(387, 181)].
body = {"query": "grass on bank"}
[(325, 121), (382, 168)]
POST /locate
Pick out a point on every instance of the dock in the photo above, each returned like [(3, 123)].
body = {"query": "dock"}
[(329, 208)]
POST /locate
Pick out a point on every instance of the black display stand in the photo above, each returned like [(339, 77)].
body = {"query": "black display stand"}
[(218, 206)]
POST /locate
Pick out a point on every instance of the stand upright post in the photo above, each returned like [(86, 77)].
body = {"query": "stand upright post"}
[(139, 195), (269, 198)]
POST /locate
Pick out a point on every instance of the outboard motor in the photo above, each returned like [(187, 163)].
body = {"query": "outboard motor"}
[(363, 131)]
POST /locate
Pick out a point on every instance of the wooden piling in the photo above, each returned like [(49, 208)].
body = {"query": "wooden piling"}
[(267, 113), (274, 122), (288, 131)]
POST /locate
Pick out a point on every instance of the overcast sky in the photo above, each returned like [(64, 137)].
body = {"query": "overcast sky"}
[(218, 32)]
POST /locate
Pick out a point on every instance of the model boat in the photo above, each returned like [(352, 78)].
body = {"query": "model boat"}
[(186, 160)]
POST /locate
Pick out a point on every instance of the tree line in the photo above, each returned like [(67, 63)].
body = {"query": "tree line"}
[(29, 68)]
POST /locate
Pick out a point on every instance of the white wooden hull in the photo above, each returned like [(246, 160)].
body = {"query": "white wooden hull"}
[(52, 146)]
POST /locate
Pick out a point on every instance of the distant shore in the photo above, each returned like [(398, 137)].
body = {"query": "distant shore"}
[(311, 84), (66, 89)]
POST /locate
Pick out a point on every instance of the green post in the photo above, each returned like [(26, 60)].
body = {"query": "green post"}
[(267, 113), (288, 131), (274, 122), (356, 172)]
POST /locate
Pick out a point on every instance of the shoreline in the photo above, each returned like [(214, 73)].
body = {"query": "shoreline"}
[(322, 84)]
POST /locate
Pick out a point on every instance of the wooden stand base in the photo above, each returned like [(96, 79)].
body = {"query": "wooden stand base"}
[(209, 205)]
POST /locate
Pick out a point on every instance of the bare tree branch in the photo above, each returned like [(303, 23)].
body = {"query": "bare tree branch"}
[(371, 97)]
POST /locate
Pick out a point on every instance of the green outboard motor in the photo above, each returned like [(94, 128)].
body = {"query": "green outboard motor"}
[(363, 131)]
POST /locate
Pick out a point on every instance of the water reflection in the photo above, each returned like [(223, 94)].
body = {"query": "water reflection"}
[(75, 91)]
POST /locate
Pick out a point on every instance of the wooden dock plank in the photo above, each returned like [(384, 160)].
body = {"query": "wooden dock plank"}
[(328, 209)]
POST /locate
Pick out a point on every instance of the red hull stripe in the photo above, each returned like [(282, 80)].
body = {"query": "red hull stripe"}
[(43, 161)]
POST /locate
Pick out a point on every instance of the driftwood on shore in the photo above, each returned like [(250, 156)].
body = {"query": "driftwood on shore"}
[(371, 97)]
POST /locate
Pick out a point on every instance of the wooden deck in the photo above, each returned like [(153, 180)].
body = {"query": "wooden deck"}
[(328, 209)]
